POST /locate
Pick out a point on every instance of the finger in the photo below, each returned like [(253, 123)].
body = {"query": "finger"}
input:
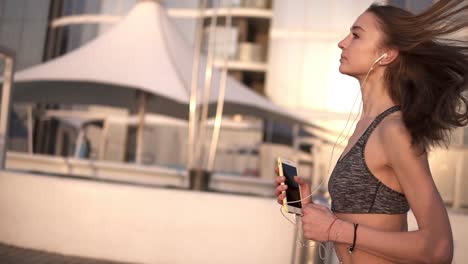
[(280, 189), (299, 180), (281, 198), (276, 170), (279, 179)]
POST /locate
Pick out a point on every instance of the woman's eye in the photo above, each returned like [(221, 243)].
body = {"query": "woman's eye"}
[(355, 35)]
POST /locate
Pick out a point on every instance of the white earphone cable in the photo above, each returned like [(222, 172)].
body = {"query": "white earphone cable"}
[(321, 245)]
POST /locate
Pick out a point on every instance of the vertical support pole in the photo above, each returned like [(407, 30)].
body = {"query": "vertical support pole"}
[(200, 147), (141, 128), (458, 187), (30, 128), (103, 139), (221, 94), (193, 124), (8, 75)]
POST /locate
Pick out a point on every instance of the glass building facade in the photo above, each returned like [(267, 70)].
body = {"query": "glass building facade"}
[(23, 29), (75, 22)]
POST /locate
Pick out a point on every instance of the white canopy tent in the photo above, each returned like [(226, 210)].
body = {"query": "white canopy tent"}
[(143, 52)]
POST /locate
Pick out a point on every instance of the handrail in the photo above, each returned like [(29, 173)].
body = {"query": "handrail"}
[(132, 173)]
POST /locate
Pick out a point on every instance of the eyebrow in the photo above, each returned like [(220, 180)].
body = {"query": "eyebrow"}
[(357, 27)]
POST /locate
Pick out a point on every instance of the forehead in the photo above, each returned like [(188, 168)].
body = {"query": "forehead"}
[(367, 21)]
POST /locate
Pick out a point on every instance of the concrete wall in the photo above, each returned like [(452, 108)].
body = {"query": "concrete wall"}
[(140, 224), (152, 225)]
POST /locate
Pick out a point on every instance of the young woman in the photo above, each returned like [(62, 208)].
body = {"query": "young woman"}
[(413, 78)]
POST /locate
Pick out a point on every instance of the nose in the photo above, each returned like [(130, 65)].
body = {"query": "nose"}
[(341, 44)]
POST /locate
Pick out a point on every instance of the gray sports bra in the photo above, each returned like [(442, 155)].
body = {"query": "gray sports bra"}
[(355, 190)]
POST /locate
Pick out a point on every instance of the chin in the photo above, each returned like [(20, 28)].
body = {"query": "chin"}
[(345, 71)]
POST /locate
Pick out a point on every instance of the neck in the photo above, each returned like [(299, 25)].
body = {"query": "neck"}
[(375, 96)]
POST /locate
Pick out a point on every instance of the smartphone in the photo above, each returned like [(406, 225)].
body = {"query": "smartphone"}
[(288, 169)]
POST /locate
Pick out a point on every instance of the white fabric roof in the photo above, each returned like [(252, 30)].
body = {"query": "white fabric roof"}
[(144, 51), (78, 118)]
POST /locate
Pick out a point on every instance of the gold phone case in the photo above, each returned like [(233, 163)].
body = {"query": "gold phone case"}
[(280, 172)]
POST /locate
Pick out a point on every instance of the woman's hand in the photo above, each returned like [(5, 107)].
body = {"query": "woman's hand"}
[(316, 222), (280, 188)]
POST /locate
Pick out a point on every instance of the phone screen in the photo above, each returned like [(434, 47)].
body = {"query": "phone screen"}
[(292, 193)]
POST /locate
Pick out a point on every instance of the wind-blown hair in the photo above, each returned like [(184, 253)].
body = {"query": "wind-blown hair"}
[(429, 79)]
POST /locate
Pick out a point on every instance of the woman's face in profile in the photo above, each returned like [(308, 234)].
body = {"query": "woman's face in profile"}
[(360, 47)]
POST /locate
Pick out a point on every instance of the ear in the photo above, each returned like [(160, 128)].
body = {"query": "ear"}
[(392, 55)]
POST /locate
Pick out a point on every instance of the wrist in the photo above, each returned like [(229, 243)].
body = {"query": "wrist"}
[(342, 232)]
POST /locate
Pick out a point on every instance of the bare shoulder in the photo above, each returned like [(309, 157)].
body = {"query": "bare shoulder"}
[(396, 139), (393, 130)]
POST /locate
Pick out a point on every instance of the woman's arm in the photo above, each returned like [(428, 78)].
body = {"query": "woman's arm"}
[(402, 247), (433, 242)]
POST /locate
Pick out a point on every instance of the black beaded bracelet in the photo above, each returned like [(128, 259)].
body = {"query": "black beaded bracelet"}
[(351, 248)]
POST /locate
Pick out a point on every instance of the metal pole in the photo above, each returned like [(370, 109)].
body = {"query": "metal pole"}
[(270, 128), (59, 141), (458, 187), (8, 75), (316, 154), (194, 86), (295, 143), (30, 128), (222, 91), (79, 142), (103, 139), (200, 149), (141, 128)]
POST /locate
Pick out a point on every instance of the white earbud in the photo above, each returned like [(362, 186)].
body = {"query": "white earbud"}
[(377, 60), (380, 58)]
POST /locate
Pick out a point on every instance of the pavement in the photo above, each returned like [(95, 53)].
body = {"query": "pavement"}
[(17, 255)]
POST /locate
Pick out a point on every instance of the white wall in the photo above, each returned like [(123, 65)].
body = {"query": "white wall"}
[(449, 169), (138, 224), (152, 225)]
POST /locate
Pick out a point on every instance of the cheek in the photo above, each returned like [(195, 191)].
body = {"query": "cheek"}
[(354, 65), (361, 55)]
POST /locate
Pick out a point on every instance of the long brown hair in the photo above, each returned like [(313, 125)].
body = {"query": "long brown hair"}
[(430, 75)]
